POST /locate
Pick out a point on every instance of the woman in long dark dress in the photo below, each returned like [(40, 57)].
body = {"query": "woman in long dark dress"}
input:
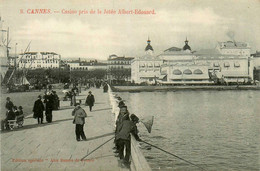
[(90, 101), (38, 109)]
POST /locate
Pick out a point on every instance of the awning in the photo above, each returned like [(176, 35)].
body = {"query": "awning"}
[(142, 65), (226, 64), (156, 64), (236, 64), (162, 77), (187, 72), (176, 72), (150, 65), (197, 71), (216, 64)]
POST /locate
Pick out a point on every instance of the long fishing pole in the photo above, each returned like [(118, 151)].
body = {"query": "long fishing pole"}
[(97, 148), (173, 155)]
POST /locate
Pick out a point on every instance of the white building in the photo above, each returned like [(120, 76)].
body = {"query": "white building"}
[(34, 60), (146, 68), (83, 65), (185, 73), (119, 68), (256, 65), (234, 48), (229, 62)]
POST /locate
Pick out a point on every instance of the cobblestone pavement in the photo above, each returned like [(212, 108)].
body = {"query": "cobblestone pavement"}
[(53, 146)]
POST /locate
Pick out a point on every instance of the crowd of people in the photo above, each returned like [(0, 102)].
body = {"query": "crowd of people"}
[(125, 126), (125, 123), (13, 115), (50, 102)]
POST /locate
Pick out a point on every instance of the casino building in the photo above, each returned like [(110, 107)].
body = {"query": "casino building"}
[(229, 62), (146, 68)]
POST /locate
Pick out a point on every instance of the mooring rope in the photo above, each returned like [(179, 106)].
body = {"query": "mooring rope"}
[(173, 154)]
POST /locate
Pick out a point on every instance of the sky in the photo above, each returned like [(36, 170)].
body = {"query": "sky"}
[(204, 23)]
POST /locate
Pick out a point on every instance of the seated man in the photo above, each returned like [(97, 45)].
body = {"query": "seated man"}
[(10, 119)]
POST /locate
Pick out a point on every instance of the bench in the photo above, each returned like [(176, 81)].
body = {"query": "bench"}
[(14, 124)]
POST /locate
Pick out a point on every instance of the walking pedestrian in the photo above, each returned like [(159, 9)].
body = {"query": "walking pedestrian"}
[(79, 119), (73, 98), (49, 107), (105, 88), (90, 100), (38, 109)]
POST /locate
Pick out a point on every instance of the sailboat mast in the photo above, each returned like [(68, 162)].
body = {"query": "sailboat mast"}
[(18, 63)]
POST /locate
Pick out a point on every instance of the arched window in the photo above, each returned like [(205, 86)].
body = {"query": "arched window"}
[(187, 72), (176, 72), (197, 71)]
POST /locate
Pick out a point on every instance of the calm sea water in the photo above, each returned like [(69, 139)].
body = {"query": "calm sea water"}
[(217, 130)]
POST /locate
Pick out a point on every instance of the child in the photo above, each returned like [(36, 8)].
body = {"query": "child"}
[(20, 117)]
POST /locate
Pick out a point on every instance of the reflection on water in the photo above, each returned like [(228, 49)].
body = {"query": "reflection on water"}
[(218, 130)]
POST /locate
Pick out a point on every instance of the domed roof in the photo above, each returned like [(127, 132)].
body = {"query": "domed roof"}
[(148, 47), (186, 46), (172, 49)]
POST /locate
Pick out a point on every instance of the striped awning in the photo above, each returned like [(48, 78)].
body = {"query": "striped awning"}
[(197, 71), (187, 72), (176, 72)]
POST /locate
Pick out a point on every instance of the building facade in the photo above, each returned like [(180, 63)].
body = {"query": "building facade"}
[(35, 60), (146, 68), (229, 62), (119, 68), (256, 65), (86, 65)]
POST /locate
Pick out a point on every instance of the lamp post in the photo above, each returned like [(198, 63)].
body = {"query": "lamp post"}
[(15, 56)]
